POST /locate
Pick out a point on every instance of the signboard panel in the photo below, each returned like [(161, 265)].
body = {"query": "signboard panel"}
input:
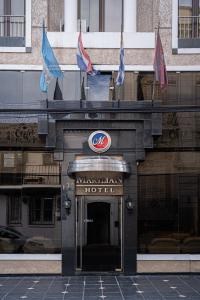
[(99, 185)]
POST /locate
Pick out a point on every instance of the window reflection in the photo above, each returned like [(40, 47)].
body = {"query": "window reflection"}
[(98, 87), (30, 203), (169, 210)]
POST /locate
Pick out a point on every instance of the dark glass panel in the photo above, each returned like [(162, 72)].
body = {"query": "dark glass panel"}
[(14, 209), (30, 207), (183, 88), (179, 130), (169, 210)]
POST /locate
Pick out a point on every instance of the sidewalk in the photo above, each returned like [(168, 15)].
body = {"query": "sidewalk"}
[(146, 287)]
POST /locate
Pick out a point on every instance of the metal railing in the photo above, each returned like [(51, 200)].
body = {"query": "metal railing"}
[(32, 175), (189, 27), (12, 26), (42, 174)]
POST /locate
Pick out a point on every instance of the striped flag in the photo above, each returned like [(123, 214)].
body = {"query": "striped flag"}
[(121, 72), (159, 64), (83, 59), (50, 64)]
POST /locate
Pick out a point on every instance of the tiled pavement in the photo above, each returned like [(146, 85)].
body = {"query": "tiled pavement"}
[(146, 287)]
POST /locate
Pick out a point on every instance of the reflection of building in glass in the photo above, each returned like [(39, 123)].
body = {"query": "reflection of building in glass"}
[(30, 198), (69, 205)]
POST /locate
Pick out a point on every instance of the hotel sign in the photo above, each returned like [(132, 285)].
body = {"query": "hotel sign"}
[(104, 186)]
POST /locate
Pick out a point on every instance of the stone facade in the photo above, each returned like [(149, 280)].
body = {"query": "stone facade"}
[(149, 13)]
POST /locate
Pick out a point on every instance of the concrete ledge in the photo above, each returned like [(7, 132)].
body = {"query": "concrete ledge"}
[(168, 263), (30, 267), (163, 266)]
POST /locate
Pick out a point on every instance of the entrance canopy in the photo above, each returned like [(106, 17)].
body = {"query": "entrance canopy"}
[(98, 164)]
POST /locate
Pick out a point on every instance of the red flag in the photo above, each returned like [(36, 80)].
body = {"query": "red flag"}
[(159, 64)]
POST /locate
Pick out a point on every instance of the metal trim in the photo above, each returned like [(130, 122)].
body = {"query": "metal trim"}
[(98, 164)]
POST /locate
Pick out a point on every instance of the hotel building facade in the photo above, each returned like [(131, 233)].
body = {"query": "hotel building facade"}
[(65, 206)]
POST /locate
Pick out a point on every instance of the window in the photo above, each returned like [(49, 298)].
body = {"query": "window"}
[(100, 15), (169, 214), (56, 15), (41, 211), (189, 25), (14, 209), (98, 87), (9, 160), (12, 23)]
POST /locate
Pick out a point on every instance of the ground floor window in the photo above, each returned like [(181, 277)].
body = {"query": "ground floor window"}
[(30, 203), (169, 209)]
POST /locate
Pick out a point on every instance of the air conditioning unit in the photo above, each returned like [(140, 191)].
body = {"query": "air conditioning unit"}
[(83, 25)]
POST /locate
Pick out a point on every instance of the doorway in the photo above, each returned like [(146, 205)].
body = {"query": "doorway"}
[(98, 227), (99, 234)]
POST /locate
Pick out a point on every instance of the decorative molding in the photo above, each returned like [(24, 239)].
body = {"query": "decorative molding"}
[(134, 68), (19, 135)]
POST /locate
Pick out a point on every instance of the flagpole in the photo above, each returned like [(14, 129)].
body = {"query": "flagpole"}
[(121, 44), (154, 78), (46, 93), (80, 72)]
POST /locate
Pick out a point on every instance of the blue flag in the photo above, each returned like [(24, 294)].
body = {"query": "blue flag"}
[(50, 64), (121, 72)]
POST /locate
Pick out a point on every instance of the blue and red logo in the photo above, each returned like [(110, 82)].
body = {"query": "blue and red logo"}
[(99, 141)]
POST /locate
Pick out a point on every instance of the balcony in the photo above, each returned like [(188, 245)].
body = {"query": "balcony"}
[(12, 31), (32, 176), (189, 32)]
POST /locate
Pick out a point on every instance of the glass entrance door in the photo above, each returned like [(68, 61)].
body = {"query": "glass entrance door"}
[(99, 233)]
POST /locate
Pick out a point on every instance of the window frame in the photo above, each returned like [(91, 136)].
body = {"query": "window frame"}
[(27, 36), (177, 48), (41, 222), (10, 200)]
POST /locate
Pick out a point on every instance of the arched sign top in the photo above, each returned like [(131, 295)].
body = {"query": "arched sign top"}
[(99, 141)]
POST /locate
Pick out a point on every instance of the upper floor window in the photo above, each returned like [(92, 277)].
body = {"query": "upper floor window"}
[(100, 15), (189, 19), (12, 22)]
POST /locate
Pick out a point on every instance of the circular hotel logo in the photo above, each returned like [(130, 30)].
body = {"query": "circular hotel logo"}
[(99, 141)]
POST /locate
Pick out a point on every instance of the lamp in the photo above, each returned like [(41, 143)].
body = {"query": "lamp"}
[(67, 204), (129, 203)]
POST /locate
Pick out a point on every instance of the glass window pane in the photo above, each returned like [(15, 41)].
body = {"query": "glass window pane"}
[(98, 87), (89, 15), (36, 208), (113, 15), (186, 28), (14, 209), (169, 207), (17, 7), (1, 7), (12, 92)]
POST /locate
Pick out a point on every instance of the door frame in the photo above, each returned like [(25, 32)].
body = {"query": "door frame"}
[(81, 229)]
